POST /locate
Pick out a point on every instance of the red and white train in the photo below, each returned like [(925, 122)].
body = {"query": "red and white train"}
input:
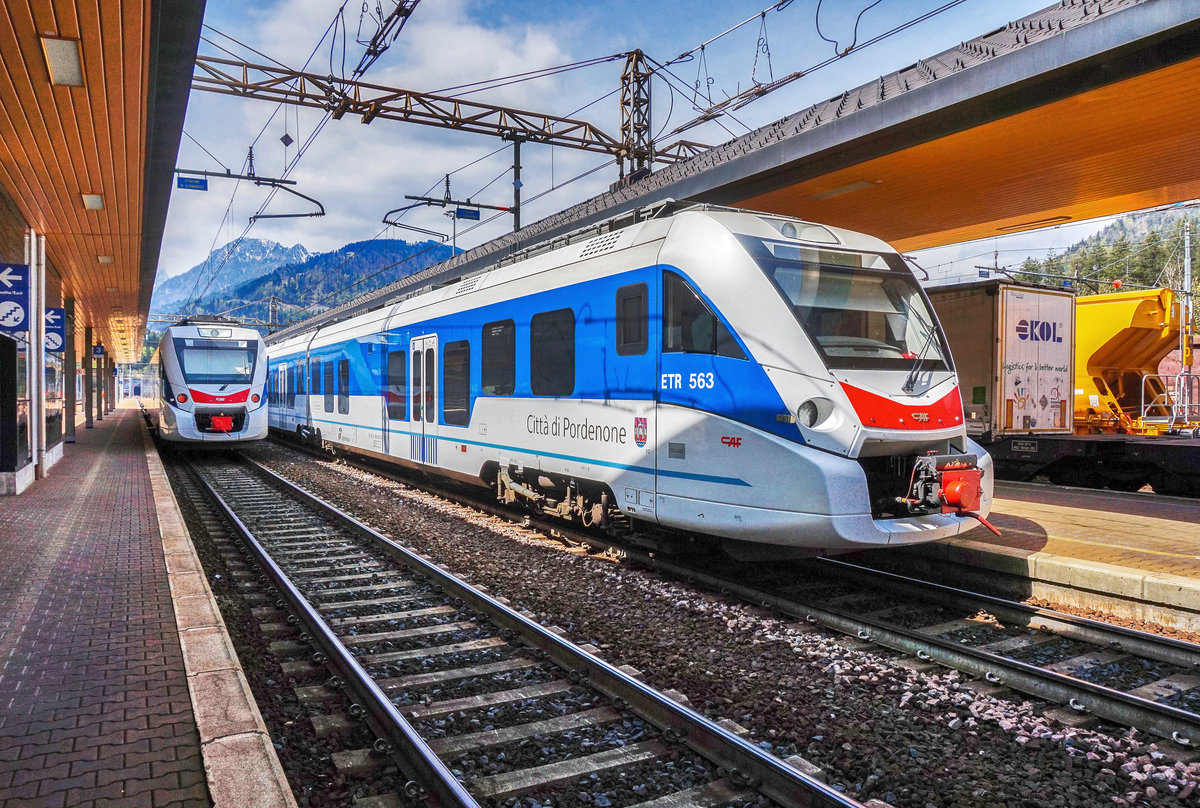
[(211, 375)]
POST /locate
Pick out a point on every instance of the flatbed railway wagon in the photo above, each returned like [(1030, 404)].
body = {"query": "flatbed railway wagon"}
[(1035, 388)]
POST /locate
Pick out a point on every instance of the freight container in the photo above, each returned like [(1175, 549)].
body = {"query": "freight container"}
[(1013, 346)]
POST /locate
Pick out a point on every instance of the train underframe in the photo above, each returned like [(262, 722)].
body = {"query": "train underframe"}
[(1170, 465)]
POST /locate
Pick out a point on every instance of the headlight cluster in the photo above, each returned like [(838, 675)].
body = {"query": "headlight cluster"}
[(814, 412)]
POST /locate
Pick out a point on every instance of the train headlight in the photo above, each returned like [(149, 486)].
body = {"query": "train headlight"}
[(181, 398), (814, 412)]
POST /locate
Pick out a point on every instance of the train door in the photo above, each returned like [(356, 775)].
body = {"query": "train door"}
[(423, 394)]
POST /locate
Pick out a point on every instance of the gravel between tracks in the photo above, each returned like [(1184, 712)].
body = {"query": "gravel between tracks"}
[(878, 729)]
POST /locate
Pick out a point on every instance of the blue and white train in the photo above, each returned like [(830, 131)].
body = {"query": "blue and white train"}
[(781, 385), (212, 376)]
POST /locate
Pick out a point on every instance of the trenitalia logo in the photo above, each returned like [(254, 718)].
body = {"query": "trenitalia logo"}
[(1038, 331)]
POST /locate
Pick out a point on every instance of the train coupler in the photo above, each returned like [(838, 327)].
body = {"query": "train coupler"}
[(947, 484)]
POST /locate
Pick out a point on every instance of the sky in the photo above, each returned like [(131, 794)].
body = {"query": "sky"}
[(359, 172)]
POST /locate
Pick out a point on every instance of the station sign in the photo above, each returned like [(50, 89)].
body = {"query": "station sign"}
[(191, 183), (14, 298), (56, 330), (467, 213), (983, 273), (97, 351)]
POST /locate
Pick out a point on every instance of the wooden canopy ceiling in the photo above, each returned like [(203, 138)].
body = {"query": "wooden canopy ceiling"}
[(106, 137), (1121, 147)]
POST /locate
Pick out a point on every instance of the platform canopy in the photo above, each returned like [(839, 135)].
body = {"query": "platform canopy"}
[(92, 100)]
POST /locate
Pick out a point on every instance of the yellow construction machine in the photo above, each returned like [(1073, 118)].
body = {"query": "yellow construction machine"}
[(1120, 341)]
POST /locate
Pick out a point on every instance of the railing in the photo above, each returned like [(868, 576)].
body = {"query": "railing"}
[(1177, 394)]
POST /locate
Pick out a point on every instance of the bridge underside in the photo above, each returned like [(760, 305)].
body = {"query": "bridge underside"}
[(1120, 147)]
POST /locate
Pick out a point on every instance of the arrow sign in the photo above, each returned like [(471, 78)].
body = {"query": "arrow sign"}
[(56, 330), (14, 298)]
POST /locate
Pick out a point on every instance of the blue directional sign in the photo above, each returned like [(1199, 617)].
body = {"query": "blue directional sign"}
[(56, 330), (983, 273), (467, 213), (191, 183), (14, 298), (97, 350)]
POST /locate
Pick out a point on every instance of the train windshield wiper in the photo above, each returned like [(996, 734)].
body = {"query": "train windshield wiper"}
[(911, 381)]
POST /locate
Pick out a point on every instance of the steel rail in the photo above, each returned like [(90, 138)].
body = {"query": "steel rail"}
[(1178, 725), (1118, 638), (746, 762), (1164, 720), (416, 758)]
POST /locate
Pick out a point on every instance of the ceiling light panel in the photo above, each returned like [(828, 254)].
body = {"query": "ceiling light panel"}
[(93, 201), (63, 61)]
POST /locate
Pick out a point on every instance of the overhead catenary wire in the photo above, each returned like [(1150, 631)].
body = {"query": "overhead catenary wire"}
[(194, 297), (482, 223), (854, 35)]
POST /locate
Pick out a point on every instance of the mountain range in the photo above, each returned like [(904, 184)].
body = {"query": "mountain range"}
[(250, 273), (231, 265)]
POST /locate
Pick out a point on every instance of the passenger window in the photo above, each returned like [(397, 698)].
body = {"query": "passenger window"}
[(552, 353), (689, 326), (291, 387), (499, 358), (343, 386), (396, 396), (327, 386), (314, 376), (633, 319), (301, 389), (456, 384)]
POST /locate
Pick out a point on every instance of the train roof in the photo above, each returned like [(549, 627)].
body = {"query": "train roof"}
[(614, 233)]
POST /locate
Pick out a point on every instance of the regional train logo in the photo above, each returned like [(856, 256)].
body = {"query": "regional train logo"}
[(639, 431)]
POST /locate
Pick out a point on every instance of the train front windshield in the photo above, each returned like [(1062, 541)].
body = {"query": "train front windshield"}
[(206, 361), (861, 310)]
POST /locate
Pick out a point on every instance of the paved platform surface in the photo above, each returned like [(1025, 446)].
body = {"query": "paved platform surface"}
[(1140, 531), (94, 706)]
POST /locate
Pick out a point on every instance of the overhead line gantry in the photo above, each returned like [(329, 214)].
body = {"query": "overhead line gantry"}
[(341, 97)]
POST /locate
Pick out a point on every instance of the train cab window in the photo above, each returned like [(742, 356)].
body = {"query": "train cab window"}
[(327, 385), (689, 326), (633, 319), (552, 353), (343, 386), (456, 384), (499, 362), (397, 399), (290, 401)]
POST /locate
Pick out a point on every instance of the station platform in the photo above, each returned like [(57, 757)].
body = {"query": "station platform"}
[(118, 683), (1136, 555)]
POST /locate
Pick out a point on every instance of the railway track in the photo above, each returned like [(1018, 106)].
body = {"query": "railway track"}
[(1095, 670), (476, 702)]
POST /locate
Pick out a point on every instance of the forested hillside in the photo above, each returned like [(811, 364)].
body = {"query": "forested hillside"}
[(1138, 250)]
